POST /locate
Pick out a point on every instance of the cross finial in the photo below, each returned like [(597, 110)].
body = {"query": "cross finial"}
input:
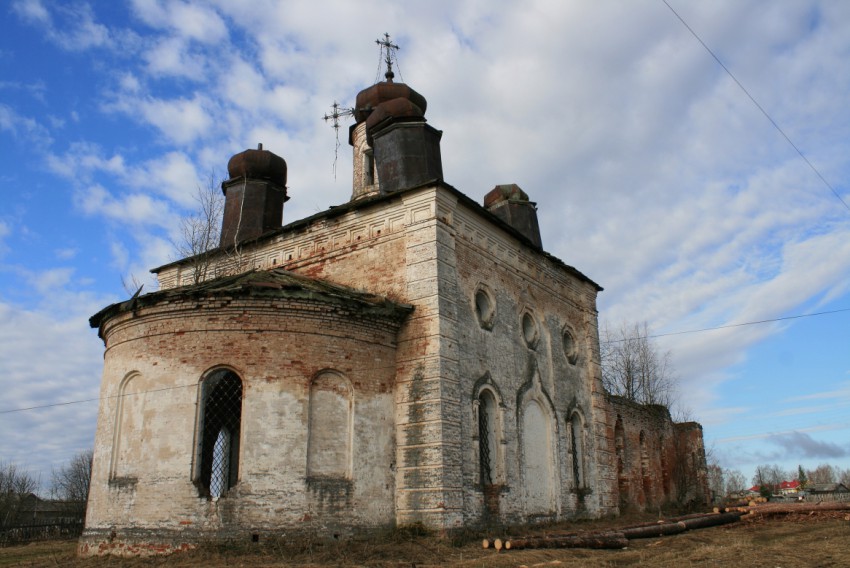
[(388, 47), (338, 112)]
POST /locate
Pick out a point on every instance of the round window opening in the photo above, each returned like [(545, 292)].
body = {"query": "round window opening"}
[(529, 330), (570, 348), (484, 309)]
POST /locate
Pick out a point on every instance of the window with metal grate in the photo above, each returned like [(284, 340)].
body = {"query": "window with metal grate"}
[(219, 438)]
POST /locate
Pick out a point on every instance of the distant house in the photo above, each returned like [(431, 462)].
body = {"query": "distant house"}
[(827, 489), (789, 488), (35, 510)]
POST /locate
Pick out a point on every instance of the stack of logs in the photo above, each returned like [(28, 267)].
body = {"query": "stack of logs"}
[(615, 539), (620, 538), (754, 509)]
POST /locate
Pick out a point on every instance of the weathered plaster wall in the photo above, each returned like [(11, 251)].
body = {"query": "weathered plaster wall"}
[(538, 384), (145, 458)]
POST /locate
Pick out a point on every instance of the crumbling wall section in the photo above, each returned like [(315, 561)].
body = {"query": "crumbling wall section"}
[(658, 462)]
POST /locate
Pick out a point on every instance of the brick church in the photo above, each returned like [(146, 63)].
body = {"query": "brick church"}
[(410, 356)]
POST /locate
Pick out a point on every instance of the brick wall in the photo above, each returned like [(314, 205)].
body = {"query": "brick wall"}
[(659, 462), (277, 347)]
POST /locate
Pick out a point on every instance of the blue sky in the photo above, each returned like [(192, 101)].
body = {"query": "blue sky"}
[(654, 173)]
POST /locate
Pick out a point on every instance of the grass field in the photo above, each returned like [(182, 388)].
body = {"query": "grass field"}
[(791, 541)]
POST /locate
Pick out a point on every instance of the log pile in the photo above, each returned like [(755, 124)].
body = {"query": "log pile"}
[(620, 538), (773, 509), (614, 539)]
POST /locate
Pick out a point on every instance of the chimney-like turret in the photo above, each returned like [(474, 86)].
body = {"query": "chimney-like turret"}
[(394, 148), (510, 204), (253, 196)]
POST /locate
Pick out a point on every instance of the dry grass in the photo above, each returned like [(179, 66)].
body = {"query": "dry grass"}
[(809, 540)]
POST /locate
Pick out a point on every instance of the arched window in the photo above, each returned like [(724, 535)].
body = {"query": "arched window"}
[(577, 452), (665, 473), (622, 474), (218, 442), (487, 449), (645, 468)]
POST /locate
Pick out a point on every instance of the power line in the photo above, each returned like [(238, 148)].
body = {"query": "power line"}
[(731, 325), (190, 385), (755, 102)]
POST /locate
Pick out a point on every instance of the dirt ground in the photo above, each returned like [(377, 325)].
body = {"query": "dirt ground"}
[(788, 541)]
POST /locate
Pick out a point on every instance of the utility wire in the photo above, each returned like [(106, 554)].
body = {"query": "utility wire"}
[(799, 316), (755, 102), (82, 401)]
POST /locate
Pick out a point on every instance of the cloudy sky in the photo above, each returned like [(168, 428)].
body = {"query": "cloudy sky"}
[(654, 172)]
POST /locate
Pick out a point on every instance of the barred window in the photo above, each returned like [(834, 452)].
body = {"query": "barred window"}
[(487, 437), (218, 442), (577, 450)]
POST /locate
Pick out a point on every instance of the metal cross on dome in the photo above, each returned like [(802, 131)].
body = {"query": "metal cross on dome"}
[(387, 48), (337, 113)]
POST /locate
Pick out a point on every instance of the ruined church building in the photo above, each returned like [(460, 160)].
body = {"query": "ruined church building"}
[(410, 356)]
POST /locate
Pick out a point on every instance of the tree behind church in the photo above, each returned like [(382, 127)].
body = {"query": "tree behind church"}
[(71, 483), (634, 367), (200, 229)]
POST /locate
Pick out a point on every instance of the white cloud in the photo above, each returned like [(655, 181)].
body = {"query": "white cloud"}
[(72, 27), (182, 121), (62, 365), (131, 210), (67, 253), (173, 57), (83, 160), (23, 128), (172, 175), (32, 10), (185, 19), (5, 231)]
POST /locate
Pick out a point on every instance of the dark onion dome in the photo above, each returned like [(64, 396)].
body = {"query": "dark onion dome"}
[(370, 98), (507, 192), (258, 164), (395, 108)]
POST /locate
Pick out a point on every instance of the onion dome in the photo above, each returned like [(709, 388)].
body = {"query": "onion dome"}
[(258, 164), (507, 192), (372, 97), (395, 108)]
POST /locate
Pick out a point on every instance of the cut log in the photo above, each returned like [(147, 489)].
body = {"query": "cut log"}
[(654, 530), (788, 508), (598, 541), (711, 521)]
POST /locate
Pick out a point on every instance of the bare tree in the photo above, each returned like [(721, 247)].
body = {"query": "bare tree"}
[(824, 473), (735, 481), (15, 486), (716, 482), (634, 367), (200, 230), (769, 477), (844, 477), (71, 483)]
